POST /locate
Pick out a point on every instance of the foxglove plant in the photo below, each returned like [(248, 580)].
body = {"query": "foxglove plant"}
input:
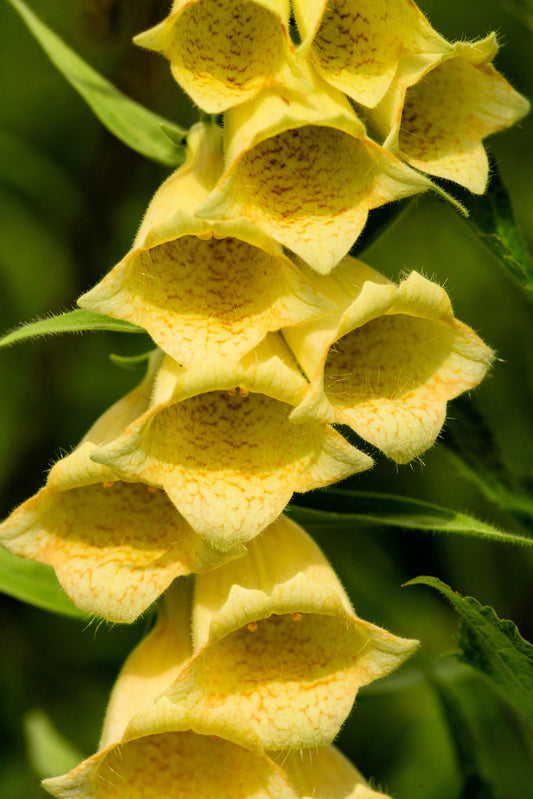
[(267, 334)]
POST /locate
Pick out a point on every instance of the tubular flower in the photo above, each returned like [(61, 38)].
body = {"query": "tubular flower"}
[(218, 286), (220, 444), (146, 749), (115, 546), (389, 361), (278, 653), (359, 46), (152, 763), (223, 52), (301, 167), (438, 111), (325, 774)]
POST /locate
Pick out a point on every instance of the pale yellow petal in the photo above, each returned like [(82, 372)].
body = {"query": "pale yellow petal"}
[(173, 764), (324, 773), (283, 568), (225, 452), (389, 362), (437, 114), (217, 286), (115, 546), (223, 52), (357, 45), (447, 115), (286, 654), (301, 167), (153, 665)]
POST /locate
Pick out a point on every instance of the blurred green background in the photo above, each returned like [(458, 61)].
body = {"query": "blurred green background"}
[(72, 198)]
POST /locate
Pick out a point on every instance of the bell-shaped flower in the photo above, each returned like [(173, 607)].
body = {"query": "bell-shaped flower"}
[(439, 109), (389, 361), (219, 442), (158, 762), (325, 773), (115, 546), (301, 167), (203, 289), (358, 46), (222, 52), (278, 652)]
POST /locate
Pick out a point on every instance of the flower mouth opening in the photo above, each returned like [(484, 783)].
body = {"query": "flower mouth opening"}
[(200, 765), (357, 50), (220, 279), (303, 174), (225, 51), (387, 358)]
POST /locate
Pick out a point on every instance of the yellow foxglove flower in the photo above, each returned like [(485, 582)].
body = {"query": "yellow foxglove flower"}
[(359, 45), (325, 773), (389, 361), (203, 289), (439, 109), (301, 167), (115, 546), (278, 652), (223, 52), (158, 762), (218, 440)]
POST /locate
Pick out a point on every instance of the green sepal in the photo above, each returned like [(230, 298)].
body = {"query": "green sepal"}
[(76, 321), (337, 509), (129, 121), (36, 584), (130, 361), (492, 646)]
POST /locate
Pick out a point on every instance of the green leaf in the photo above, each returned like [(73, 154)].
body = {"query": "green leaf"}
[(492, 646), (129, 121), (476, 455), (493, 745), (48, 752), (35, 584), (70, 322), (338, 509), (492, 219)]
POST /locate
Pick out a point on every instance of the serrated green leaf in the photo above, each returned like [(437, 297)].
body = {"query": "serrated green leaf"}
[(492, 219), (491, 645), (48, 752), (35, 584), (493, 746), (129, 121), (69, 322), (337, 509)]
